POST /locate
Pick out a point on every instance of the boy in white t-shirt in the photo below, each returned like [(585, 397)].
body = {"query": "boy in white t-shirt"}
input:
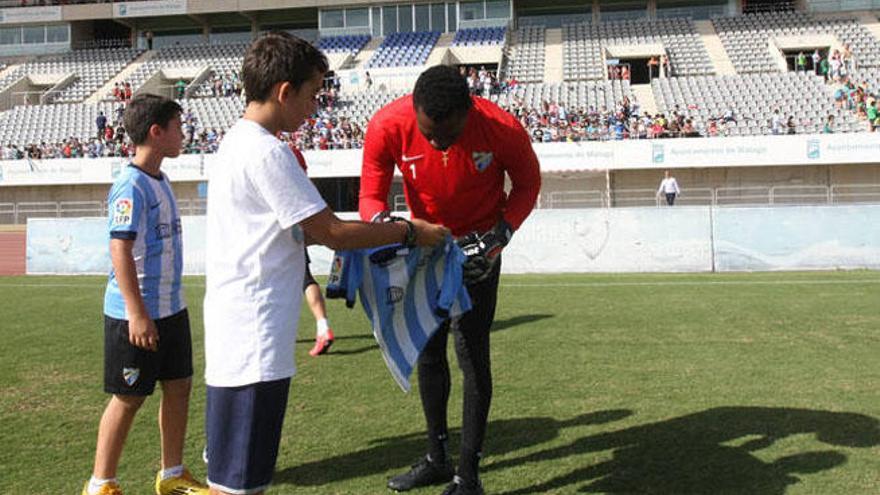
[(261, 210)]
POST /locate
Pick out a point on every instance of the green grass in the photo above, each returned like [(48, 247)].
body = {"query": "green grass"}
[(666, 384)]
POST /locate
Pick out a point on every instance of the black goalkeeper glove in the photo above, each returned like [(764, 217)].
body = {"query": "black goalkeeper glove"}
[(482, 251)]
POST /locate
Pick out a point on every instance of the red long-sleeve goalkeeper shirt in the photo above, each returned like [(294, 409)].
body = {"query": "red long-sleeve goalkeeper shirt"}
[(463, 188)]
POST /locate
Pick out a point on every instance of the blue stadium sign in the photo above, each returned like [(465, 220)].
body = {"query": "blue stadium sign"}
[(813, 149), (658, 154)]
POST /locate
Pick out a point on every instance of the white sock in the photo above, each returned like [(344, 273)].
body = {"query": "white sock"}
[(172, 472), (323, 326), (95, 484)]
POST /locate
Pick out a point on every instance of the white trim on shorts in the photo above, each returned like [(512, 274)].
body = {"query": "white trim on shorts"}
[(246, 491)]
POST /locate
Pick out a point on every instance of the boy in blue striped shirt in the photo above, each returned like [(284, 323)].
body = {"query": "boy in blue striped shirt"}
[(146, 325)]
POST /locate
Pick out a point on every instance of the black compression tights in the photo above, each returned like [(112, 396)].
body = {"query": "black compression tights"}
[(471, 334)]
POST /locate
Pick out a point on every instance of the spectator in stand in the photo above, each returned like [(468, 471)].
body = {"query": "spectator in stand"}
[(729, 116), (817, 59), (801, 62), (790, 125), (149, 37), (369, 81), (180, 87), (666, 65), (829, 125), (825, 69), (840, 94), (849, 64), (835, 65), (652, 67), (776, 122), (872, 114), (101, 124)]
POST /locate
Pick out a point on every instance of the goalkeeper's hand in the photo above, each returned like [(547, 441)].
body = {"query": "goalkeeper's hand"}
[(482, 251)]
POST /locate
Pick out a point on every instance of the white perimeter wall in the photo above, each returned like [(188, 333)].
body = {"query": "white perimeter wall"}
[(677, 239)]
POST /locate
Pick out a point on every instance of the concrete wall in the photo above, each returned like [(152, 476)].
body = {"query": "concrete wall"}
[(551, 183), (681, 239), (86, 192), (751, 176)]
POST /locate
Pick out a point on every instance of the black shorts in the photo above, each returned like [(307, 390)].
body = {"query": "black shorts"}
[(308, 279), (130, 370)]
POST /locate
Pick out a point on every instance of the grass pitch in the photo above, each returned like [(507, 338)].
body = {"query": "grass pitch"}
[(663, 384)]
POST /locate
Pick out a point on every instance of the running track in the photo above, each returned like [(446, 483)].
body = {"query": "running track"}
[(12, 252)]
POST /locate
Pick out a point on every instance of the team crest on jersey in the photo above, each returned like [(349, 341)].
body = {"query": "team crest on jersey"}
[(482, 160), (131, 375), (394, 295), (122, 211)]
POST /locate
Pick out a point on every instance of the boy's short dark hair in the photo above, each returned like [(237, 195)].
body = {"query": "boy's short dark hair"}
[(143, 111), (441, 92), (279, 57)]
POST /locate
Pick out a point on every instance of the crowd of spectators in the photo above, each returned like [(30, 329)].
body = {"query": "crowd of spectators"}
[(122, 91), (860, 99), (833, 67), (554, 123), (484, 82), (331, 129), (226, 85)]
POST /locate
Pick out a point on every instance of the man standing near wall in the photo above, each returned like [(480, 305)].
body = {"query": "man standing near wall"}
[(669, 187)]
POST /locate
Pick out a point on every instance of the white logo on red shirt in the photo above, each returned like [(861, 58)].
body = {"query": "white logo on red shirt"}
[(411, 158)]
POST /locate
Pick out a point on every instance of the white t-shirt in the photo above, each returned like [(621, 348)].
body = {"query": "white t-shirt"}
[(254, 262), (669, 186)]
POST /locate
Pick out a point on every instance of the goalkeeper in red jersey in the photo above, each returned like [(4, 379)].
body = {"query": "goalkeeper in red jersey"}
[(454, 151)]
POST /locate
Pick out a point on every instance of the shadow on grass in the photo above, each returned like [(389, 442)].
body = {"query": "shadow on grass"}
[(507, 435), (337, 349), (497, 326), (708, 452), (500, 325)]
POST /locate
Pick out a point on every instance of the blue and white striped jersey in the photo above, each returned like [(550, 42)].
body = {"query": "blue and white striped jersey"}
[(406, 293), (142, 208)]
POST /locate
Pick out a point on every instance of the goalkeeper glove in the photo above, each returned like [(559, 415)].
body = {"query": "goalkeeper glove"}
[(482, 251)]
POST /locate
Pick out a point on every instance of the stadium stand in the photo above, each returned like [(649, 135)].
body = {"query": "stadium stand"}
[(343, 44), (574, 95), (583, 44), (222, 60), (526, 61), (404, 50), (753, 99), (692, 95), (91, 69), (479, 36), (748, 38)]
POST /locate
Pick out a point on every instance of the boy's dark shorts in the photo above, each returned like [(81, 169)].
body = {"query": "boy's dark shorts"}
[(130, 370)]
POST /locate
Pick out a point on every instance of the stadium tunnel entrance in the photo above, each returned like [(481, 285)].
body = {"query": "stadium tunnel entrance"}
[(638, 70), (791, 57)]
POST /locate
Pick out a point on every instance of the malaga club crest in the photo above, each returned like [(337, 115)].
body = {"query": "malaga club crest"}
[(131, 375), (394, 295), (482, 160)]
